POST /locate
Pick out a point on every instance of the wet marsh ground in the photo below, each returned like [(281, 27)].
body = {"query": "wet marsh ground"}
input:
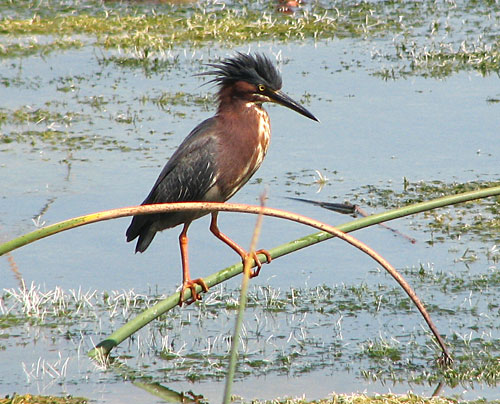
[(96, 96)]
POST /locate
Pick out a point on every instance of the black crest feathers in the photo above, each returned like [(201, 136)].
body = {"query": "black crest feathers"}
[(255, 69)]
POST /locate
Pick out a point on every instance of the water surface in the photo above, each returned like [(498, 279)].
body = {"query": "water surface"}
[(373, 134)]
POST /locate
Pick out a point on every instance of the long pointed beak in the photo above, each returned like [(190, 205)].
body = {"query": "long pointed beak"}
[(281, 98)]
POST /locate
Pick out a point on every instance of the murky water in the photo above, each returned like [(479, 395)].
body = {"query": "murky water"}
[(372, 132)]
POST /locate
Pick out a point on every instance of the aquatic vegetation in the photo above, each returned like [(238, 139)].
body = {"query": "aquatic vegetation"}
[(432, 39), (295, 331), (476, 219), (35, 399), (35, 48), (318, 333)]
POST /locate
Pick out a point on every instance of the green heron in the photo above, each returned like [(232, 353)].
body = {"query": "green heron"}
[(218, 157)]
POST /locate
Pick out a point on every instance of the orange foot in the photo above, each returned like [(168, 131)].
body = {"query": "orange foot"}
[(191, 284), (258, 263)]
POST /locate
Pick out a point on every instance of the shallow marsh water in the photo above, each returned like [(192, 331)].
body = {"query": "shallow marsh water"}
[(83, 134)]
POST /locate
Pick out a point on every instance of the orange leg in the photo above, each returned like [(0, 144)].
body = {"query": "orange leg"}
[(186, 278), (236, 247)]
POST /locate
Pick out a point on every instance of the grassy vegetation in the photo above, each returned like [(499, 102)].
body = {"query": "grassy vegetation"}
[(367, 399), (319, 333), (334, 399), (193, 344), (34, 48), (34, 399), (431, 39), (478, 219)]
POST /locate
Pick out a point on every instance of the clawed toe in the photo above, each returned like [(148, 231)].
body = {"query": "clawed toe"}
[(258, 263), (191, 284)]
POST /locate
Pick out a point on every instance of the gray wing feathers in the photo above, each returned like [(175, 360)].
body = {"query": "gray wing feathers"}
[(188, 176)]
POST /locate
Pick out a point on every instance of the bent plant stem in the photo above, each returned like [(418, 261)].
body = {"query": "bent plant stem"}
[(118, 336), (229, 207), (128, 329)]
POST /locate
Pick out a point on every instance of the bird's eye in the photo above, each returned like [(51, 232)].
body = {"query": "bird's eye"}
[(261, 88)]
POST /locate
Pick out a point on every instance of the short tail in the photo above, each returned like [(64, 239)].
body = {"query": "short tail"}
[(140, 228)]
